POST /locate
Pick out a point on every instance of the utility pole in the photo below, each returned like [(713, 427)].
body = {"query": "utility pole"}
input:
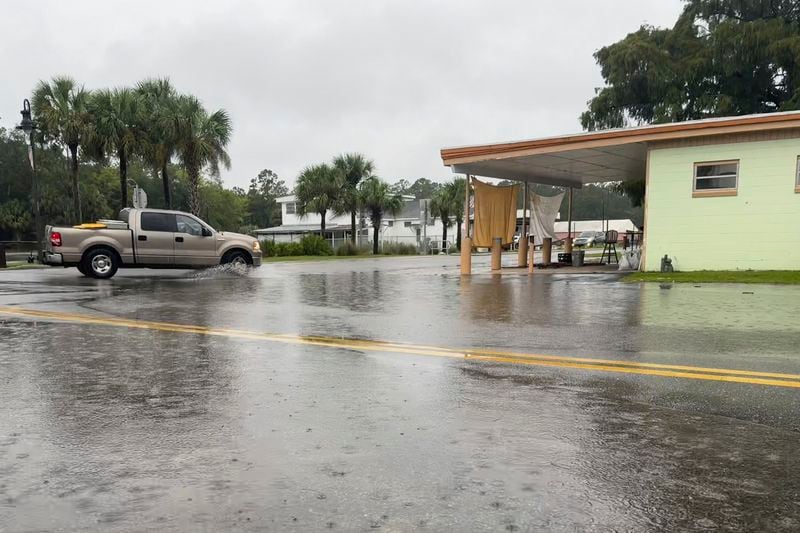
[(28, 127)]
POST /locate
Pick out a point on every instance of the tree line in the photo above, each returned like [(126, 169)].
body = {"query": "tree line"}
[(151, 122), (348, 186), (226, 208), (720, 58)]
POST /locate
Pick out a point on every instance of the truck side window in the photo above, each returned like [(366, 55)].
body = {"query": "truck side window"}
[(158, 222), (189, 225)]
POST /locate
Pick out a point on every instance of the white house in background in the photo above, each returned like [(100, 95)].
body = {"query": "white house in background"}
[(405, 227)]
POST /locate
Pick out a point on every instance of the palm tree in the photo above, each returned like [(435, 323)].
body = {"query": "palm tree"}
[(444, 205), (377, 198), (456, 188), (201, 142), (448, 201), (354, 167), (60, 108), (317, 191), (161, 121), (116, 115)]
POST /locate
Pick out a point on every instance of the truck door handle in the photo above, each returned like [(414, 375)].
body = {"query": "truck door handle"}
[(178, 239), (142, 237)]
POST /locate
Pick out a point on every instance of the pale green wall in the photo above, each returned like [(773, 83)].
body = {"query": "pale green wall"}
[(757, 229)]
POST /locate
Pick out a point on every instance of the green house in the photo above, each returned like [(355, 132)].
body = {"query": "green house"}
[(721, 194)]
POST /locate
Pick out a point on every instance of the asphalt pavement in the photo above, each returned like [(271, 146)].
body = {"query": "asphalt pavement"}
[(393, 394)]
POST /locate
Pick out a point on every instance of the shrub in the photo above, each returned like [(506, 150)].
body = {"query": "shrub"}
[(269, 248), (348, 248), (398, 248), (315, 245), (288, 248)]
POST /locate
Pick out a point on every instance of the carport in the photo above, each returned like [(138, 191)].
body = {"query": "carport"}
[(571, 161)]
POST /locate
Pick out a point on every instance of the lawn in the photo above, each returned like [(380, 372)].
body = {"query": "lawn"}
[(782, 277), (22, 265)]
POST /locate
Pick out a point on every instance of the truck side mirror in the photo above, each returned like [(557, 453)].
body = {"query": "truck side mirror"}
[(206, 232)]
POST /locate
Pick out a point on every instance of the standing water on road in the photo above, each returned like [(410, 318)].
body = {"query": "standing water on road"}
[(337, 396)]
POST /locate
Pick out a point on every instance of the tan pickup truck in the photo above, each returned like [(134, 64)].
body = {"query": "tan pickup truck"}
[(151, 238)]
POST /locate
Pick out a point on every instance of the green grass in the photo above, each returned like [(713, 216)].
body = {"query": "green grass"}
[(22, 265), (781, 277)]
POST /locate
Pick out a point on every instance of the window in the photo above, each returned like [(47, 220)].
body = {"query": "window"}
[(291, 208), (407, 223), (158, 222), (189, 226), (390, 223), (716, 178)]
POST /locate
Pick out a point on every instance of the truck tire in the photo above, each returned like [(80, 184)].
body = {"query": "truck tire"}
[(237, 257), (81, 269), (100, 263)]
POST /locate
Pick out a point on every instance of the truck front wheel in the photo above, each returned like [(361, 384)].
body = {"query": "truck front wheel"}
[(100, 263), (237, 258)]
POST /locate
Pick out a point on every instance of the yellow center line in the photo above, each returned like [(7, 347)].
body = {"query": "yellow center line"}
[(472, 354)]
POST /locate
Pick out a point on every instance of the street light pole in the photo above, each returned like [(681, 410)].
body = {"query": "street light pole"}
[(28, 126)]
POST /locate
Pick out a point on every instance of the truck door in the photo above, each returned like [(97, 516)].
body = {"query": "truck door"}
[(155, 238), (193, 246)]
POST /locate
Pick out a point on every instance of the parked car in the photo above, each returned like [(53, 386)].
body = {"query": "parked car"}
[(556, 242), (590, 238), (151, 238)]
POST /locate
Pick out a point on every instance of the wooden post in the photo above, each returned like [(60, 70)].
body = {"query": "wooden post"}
[(497, 253), (466, 241), (522, 253), (547, 251), (531, 251)]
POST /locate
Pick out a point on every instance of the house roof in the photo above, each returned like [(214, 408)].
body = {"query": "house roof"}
[(598, 156), (300, 228)]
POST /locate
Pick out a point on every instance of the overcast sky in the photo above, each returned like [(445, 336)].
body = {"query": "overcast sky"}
[(305, 80)]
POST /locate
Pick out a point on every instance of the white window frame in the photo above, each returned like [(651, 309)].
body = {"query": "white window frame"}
[(797, 176), (291, 208), (727, 191)]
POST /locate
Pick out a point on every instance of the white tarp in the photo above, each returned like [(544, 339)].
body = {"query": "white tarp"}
[(544, 210)]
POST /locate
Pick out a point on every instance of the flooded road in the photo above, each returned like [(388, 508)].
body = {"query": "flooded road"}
[(278, 400)]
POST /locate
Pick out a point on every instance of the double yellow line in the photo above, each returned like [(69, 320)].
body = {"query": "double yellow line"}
[(771, 379)]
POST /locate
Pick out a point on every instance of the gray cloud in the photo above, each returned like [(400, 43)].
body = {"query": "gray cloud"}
[(305, 80)]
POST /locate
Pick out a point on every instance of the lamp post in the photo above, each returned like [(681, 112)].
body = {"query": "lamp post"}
[(28, 126)]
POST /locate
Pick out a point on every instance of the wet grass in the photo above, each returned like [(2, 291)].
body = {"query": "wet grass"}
[(22, 265), (778, 277)]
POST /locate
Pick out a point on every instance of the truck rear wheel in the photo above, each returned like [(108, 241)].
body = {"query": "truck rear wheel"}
[(100, 263), (81, 269)]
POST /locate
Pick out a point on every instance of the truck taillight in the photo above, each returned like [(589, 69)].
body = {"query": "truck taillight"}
[(55, 238)]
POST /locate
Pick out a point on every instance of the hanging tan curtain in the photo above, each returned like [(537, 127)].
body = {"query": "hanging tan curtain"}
[(495, 213)]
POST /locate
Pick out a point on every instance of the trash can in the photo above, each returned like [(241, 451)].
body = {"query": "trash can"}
[(577, 257)]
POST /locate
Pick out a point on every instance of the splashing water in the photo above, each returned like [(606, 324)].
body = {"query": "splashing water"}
[(223, 271)]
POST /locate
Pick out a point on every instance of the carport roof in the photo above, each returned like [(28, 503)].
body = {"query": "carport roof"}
[(599, 156)]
